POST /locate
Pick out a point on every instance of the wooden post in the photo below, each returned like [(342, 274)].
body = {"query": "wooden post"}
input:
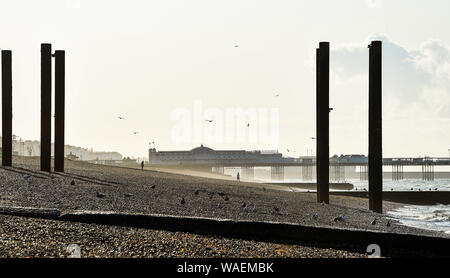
[(375, 128), (323, 123), (46, 106), (59, 109), (6, 108)]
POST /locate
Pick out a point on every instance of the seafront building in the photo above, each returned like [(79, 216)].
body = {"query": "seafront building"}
[(204, 155)]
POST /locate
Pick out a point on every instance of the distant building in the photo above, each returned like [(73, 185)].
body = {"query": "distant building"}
[(71, 156), (205, 155), (353, 158), (33, 148)]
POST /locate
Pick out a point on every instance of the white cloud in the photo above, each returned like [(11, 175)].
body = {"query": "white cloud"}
[(414, 80)]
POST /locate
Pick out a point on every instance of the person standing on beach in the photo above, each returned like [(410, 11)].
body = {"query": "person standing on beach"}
[(142, 165), (237, 177)]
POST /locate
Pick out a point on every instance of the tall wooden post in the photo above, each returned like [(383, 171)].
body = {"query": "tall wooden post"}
[(59, 109), (6, 108), (375, 128), (46, 106), (322, 114)]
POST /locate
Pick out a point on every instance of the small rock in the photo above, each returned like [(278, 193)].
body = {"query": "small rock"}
[(72, 182), (153, 186), (226, 198), (196, 192)]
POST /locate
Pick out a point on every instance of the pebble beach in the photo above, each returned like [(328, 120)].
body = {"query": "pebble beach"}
[(87, 186)]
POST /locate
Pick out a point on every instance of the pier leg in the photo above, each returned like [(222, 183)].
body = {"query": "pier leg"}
[(6, 108), (46, 106), (248, 172), (322, 115), (59, 109), (277, 173), (375, 128)]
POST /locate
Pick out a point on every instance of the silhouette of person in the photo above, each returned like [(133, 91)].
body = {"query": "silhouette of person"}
[(238, 177), (142, 165)]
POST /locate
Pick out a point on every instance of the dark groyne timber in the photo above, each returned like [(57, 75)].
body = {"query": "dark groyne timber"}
[(423, 198), (391, 244)]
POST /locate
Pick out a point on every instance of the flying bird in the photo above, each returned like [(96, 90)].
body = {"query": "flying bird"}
[(236, 45), (121, 118), (210, 121), (136, 132)]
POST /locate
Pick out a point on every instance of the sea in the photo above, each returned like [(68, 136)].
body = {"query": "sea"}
[(434, 217)]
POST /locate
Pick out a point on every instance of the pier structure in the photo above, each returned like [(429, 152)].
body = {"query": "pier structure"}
[(277, 173), (248, 172), (337, 172), (397, 172), (307, 172), (363, 172), (428, 171)]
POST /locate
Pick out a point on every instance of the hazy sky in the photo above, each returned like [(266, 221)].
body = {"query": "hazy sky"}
[(146, 60)]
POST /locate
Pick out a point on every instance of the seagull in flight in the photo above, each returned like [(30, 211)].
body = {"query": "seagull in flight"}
[(210, 121), (136, 132), (121, 118), (236, 45), (277, 95)]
